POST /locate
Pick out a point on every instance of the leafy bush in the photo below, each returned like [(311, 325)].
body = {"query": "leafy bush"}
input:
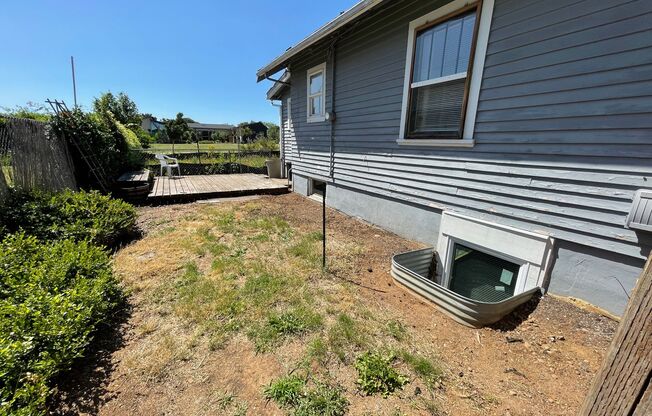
[(262, 144), (376, 375), (74, 215), (110, 142), (53, 297)]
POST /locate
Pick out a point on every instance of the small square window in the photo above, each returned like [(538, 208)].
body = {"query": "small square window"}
[(481, 276)]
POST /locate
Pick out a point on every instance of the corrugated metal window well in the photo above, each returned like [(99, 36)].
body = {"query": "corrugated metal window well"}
[(480, 291)]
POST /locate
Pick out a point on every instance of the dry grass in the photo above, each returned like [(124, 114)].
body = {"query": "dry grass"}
[(230, 271)]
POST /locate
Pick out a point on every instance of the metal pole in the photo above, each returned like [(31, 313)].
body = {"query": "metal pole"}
[(323, 229), (74, 83)]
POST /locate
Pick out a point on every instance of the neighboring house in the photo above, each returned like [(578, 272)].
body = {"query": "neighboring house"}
[(152, 125), (519, 130), (205, 131)]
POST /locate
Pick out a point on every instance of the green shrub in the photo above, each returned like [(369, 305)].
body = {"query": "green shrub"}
[(53, 297), (376, 375), (69, 215)]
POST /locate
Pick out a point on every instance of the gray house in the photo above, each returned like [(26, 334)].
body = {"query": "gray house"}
[(518, 130)]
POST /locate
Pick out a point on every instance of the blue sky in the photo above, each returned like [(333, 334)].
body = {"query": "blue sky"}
[(198, 57)]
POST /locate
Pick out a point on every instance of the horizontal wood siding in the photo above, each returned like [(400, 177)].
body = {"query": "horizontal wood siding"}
[(289, 139), (563, 130)]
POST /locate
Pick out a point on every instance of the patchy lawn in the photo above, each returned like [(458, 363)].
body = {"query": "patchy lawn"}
[(232, 314)]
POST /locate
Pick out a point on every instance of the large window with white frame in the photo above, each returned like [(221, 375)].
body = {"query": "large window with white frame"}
[(441, 85), (316, 93), (439, 76)]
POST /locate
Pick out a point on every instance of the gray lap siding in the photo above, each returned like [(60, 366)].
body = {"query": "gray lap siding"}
[(563, 128)]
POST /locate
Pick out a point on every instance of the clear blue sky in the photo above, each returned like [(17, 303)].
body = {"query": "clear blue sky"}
[(198, 57)]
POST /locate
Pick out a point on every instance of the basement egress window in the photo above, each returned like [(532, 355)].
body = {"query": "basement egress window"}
[(481, 276)]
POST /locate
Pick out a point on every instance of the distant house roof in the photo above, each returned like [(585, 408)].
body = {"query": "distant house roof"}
[(359, 9), (206, 126)]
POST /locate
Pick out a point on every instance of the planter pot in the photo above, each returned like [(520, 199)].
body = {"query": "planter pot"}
[(273, 168)]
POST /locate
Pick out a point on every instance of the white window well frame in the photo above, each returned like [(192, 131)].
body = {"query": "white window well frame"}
[(311, 72), (523, 269), (482, 39), (532, 251)]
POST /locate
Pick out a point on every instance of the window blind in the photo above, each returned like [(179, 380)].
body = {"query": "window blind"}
[(441, 52)]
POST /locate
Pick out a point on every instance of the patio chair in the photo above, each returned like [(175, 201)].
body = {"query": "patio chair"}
[(169, 163)]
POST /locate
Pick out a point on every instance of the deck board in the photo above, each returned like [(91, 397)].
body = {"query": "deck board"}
[(211, 186)]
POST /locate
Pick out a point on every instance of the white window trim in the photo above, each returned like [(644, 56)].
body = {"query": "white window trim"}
[(439, 80), (312, 71), (523, 266), (532, 251), (476, 75)]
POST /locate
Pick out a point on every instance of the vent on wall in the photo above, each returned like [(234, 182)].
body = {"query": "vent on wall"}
[(640, 216)]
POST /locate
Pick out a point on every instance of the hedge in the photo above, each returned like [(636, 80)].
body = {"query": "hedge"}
[(53, 298), (68, 215)]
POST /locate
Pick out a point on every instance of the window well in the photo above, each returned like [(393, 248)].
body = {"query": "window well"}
[(481, 276)]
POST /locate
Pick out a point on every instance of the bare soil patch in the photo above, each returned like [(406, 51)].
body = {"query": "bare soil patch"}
[(182, 352)]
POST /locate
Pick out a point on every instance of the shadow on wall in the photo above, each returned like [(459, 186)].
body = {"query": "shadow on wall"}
[(605, 278)]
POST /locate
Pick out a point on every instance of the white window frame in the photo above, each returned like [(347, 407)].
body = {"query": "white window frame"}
[(523, 266), (532, 251), (311, 72), (482, 40)]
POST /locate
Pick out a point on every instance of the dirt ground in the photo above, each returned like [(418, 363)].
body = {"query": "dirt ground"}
[(538, 361)]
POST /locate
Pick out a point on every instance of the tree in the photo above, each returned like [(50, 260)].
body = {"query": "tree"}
[(273, 131), (244, 132), (178, 131), (121, 107)]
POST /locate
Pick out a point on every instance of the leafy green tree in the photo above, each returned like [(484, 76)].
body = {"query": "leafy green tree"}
[(273, 131), (121, 107), (244, 131), (178, 130)]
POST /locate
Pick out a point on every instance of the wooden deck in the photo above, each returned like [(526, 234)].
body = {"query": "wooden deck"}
[(212, 186)]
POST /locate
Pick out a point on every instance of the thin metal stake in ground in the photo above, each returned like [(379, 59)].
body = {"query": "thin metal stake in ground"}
[(323, 229)]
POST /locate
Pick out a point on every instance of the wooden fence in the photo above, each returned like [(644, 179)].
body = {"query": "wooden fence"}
[(623, 386), (32, 157)]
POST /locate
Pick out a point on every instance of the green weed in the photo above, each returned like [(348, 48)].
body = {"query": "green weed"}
[(376, 374), (423, 367)]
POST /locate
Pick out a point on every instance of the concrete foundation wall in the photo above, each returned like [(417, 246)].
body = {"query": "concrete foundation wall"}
[(600, 277), (597, 276), (409, 221)]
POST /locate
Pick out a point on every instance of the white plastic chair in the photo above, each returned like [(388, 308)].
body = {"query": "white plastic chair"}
[(168, 163)]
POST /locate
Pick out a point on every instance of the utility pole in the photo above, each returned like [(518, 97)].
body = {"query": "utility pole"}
[(74, 84)]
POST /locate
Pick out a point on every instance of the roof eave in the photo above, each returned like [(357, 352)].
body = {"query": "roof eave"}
[(348, 16), (279, 86)]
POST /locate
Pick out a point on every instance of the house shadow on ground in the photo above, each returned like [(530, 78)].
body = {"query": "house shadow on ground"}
[(518, 315), (83, 389)]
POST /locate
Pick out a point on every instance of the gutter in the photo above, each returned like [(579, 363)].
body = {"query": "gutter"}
[(348, 16)]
